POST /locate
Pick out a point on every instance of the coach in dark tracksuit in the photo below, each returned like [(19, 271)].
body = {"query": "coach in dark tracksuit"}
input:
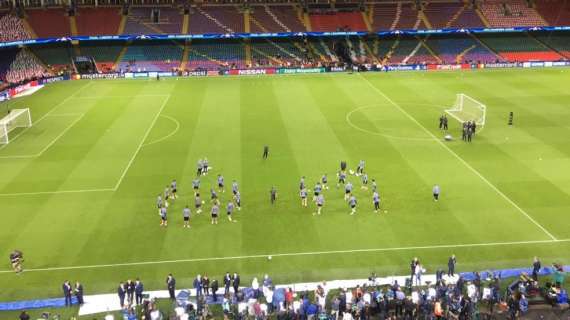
[(171, 285)]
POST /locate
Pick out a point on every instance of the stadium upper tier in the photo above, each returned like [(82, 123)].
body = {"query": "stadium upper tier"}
[(260, 18)]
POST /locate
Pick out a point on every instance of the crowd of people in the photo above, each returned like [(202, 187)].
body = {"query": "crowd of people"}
[(12, 28), (25, 66), (451, 296)]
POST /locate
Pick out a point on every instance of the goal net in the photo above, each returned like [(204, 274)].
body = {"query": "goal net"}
[(17, 118), (468, 109)]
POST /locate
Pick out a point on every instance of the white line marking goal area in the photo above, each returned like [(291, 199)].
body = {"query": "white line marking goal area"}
[(293, 254), (94, 189), (459, 158)]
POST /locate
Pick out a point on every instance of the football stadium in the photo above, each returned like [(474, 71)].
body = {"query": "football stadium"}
[(347, 159)]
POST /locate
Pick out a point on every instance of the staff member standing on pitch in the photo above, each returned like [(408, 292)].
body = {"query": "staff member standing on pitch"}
[(273, 194)]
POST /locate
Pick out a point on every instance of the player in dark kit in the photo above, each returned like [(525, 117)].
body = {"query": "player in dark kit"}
[(265, 152), (273, 194), (445, 121)]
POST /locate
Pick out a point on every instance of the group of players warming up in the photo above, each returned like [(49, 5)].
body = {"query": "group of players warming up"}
[(234, 202)]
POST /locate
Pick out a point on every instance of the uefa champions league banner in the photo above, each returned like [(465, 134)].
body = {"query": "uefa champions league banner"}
[(151, 37)]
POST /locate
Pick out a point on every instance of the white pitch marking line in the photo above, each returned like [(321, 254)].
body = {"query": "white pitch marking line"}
[(293, 254), (467, 165), (142, 142), (54, 192), (48, 113), (49, 145), (121, 97), (168, 135)]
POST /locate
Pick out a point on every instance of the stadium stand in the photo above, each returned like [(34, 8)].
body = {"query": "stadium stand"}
[(558, 41), (511, 14), (152, 56), (519, 47), (213, 56), (56, 55), (276, 52), (153, 21), (274, 19), (404, 48), (454, 49), (8, 55), (12, 28), (98, 21), (335, 21), (49, 22), (407, 18), (440, 14), (555, 12), (216, 19), (384, 16), (468, 18), (104, 54), (25, 66)]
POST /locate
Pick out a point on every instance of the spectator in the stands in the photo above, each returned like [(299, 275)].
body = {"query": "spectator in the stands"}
[(24, 316)]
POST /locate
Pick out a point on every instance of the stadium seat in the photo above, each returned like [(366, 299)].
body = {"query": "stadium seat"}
[(334, 21), (511, 14), (555, 12), (49, 23), (275, 19), (98, 21)]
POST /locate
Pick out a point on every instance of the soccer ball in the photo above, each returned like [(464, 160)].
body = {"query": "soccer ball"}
[(203, 201), (268, 257), (351, 171)]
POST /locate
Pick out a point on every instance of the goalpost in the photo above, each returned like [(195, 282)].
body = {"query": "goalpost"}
[(468, 109), (17, 118)]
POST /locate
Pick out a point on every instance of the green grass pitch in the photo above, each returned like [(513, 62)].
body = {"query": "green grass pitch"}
[(78, 188)]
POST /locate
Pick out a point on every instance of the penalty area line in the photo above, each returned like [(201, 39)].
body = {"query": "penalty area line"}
[(292, 254), (459, 158)]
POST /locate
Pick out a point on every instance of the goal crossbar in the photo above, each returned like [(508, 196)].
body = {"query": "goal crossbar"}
[(17, 118), (468, 109)]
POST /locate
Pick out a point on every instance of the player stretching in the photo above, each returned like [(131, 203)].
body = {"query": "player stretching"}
[(159, 203), (235, 187), (341, 178), (196, 186), (376, 201), (199, 167), (320, 203), (347, 191), (221, 183), (173, 188), (364, 179), (352, 203), (230, 210), (360, 168), (215, 211), (303, 195), (213, 195), (198, 203), (317, 191), (237, 199), (186, 216), (324, 181), (163, 218)]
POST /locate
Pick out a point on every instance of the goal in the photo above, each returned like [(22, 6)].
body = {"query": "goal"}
[(17, 118), (468, 109)]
